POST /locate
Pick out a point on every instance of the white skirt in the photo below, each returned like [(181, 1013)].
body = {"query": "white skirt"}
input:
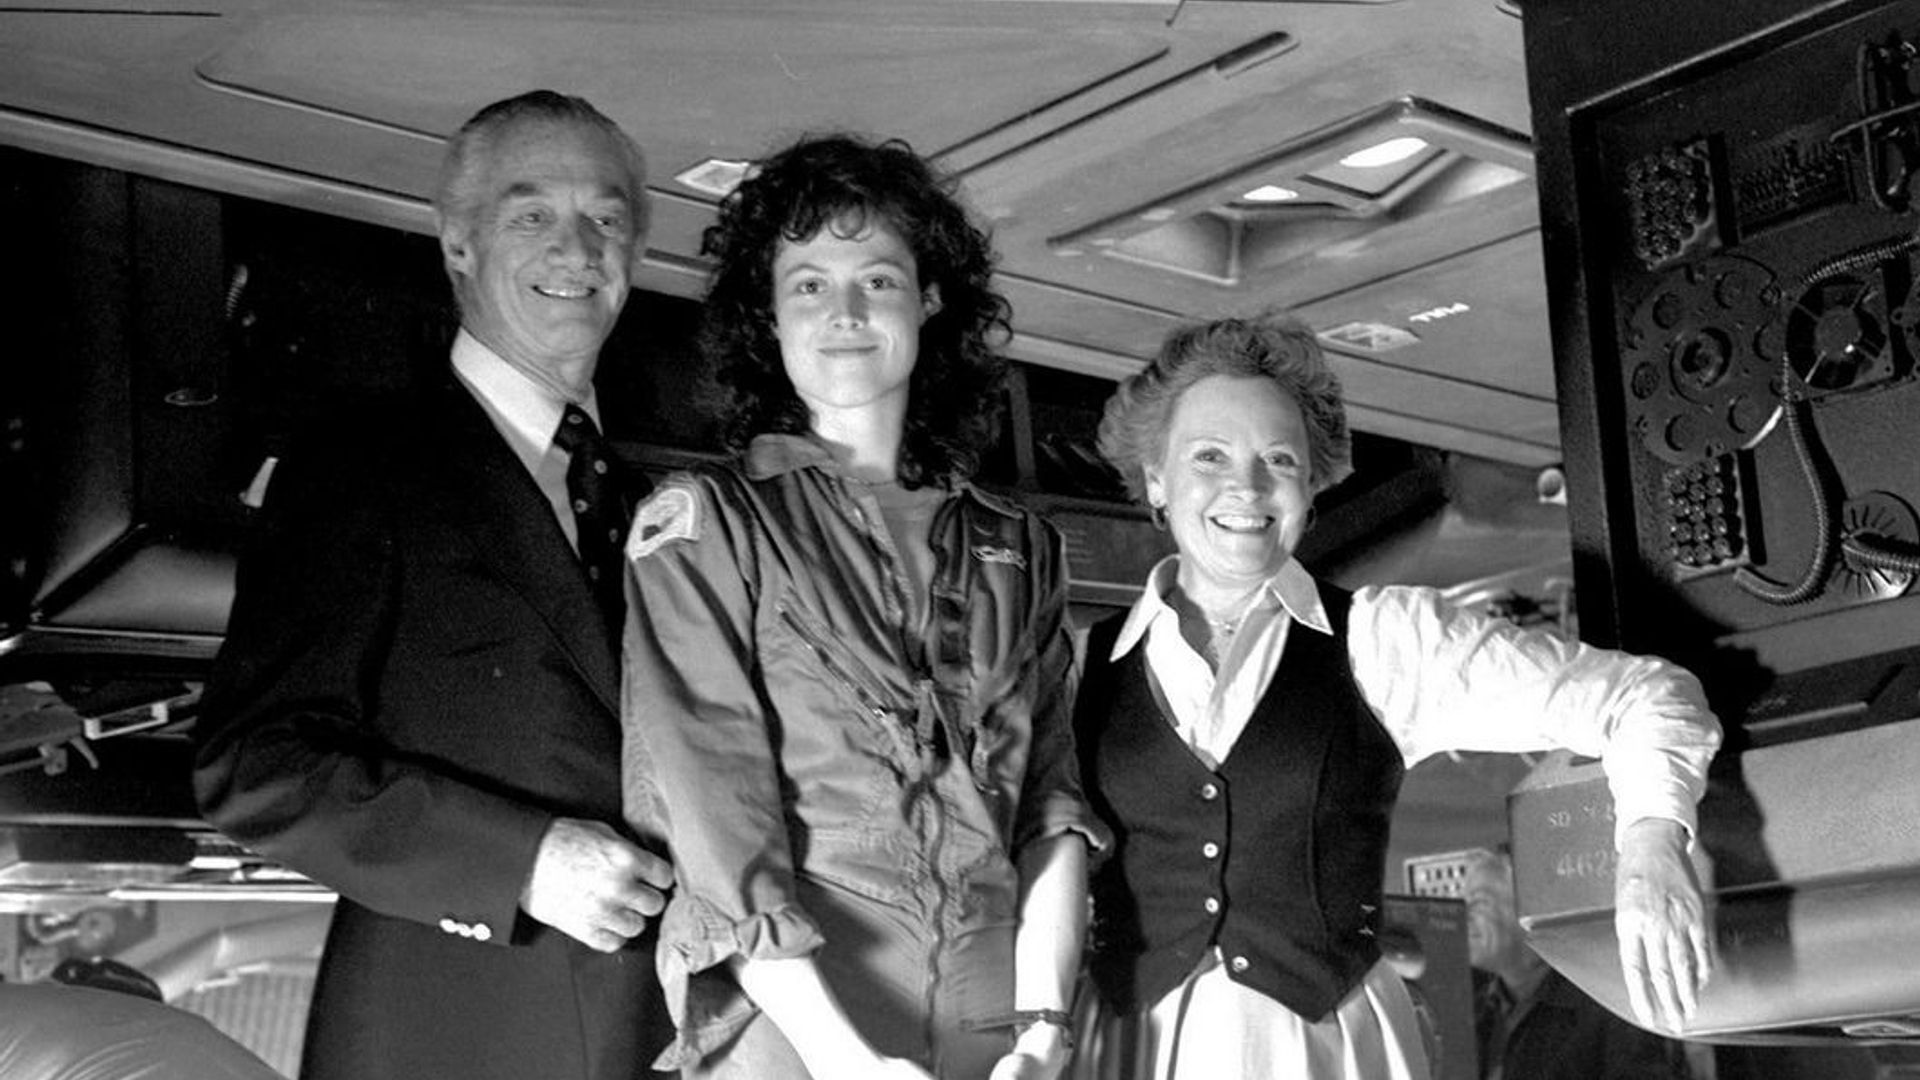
[(1212, 1028)]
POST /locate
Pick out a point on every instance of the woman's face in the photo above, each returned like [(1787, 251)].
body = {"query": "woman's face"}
[(847, 310), (1235, 482)]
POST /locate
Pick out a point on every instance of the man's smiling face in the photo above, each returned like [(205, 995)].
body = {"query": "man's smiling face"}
[(543, 262)]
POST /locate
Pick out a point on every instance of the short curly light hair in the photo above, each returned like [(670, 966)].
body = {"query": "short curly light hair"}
[(1271, 345)]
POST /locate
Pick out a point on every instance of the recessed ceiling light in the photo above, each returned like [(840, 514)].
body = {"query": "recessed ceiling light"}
[(1370, 336), (1442, 311), (1270, 193), (1386, 153), (716, 176), (1159, 213)]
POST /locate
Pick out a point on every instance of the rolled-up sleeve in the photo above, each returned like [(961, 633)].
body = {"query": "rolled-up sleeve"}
[(698, 766), (1446, 678), (1052, 800)]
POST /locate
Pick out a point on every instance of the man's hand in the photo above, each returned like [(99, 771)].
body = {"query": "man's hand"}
[(593, 885), (1661, 924)]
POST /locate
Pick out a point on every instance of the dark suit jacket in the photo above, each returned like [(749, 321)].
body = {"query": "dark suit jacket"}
[(1562, 1034), (415, 682)]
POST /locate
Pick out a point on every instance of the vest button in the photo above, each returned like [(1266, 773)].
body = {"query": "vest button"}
[(1212, 905), (1209, 791), (1239, 963), (1210, 849)]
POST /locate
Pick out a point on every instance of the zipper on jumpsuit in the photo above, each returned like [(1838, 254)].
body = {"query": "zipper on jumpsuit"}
[(860, 685), (864, 510)]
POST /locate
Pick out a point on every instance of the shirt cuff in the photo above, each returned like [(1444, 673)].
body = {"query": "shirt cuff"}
[(1056, 813), (696, 939), (1669, 802)]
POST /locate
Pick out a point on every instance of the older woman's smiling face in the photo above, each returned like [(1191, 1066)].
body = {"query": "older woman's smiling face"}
[(1235, 482)]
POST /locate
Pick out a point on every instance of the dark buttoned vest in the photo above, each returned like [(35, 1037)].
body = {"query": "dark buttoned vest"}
[(1276, 857)]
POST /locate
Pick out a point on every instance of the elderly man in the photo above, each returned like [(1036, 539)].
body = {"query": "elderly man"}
[(1531, 1023), (417, 704)]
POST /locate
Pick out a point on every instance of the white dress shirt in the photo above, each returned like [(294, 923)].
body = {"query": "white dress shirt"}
[(1439, 678), (1442, 677), (526, 415)]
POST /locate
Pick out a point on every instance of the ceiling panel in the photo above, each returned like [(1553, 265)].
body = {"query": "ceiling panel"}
[(1482, 359), (1062, 119), (712, 82)]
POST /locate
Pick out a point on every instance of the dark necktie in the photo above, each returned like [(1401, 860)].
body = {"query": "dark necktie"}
[(1492, 1021), (599, 515)]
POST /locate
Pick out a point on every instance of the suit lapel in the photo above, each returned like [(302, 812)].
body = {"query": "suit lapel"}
[(512, 528)]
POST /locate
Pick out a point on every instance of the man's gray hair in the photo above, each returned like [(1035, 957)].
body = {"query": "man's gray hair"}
[(459, 194)]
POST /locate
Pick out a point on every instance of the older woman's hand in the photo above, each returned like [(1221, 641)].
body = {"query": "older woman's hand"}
[(1661, 924)]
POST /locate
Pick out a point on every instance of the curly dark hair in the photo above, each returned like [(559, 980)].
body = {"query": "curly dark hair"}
[(842, 180)]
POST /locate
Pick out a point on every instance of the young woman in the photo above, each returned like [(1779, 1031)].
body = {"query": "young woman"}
[(848, 670)]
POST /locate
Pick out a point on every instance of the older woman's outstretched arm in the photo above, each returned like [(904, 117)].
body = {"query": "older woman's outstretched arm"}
[(1447, 678)]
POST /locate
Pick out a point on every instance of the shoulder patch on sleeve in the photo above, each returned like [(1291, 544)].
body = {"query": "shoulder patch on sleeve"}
[(673, 513)]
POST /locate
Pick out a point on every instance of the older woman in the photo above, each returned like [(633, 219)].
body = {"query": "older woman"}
[(848, 669), (1244, 730)]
